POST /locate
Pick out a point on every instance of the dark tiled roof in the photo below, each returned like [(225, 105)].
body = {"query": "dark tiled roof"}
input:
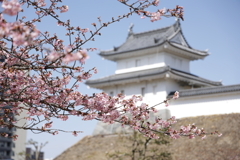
[(129, 76), (143, 40), (188, 77), (201, 53), (207, 90), (155, 73)]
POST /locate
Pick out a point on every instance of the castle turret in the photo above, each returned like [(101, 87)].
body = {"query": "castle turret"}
[(152, 62)]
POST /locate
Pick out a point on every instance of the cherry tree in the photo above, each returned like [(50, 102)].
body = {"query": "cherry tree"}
[(139, 147), (40, 74)]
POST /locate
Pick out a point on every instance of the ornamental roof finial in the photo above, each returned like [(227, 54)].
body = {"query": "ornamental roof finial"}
[(130, 31)]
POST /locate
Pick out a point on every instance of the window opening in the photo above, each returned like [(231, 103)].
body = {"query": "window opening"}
[(138, 62), (154, 89), (122, 92), (111, 93), (143, 91)]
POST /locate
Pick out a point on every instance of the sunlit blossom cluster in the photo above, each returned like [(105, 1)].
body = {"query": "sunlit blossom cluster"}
[(11, 7), (154, 16), (20, 34)]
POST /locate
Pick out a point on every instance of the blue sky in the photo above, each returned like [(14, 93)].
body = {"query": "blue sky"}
[(212, 25)]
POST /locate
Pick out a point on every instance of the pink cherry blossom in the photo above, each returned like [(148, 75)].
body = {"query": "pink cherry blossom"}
[(166, 103), (155, 2), (53, 56), (55, 133), (85, 30), (203, 137), (191, 136), (11, 7), (95, 70), (5, 135), (63, 117), (63, 9), (219, 135), (155, 16), (41, 74), (176, 95), (74, 133), (41, 3), (15, 137), (47, 125), (38, 12)]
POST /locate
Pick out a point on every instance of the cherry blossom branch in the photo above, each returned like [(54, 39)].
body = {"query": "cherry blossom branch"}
[(52, 89)]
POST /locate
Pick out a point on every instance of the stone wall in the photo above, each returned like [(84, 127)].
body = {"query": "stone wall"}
[(213, 147)]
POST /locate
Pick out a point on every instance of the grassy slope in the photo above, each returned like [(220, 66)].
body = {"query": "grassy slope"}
[(223, 148)]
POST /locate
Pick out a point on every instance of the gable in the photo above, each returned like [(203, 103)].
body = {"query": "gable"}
[(179, 39)]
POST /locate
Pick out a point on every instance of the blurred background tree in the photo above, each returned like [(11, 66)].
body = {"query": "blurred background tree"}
[(138, 147)]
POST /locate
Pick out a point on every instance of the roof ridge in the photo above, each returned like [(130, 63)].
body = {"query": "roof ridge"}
[(211, 87), (218, 83), (154, 30), (208, 90), (189, 47)]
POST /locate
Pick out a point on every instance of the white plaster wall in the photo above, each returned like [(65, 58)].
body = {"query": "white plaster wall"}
[(121, 64), (206, 105), (152, 61), (171, 85), (185, 65), (144, 67), (113, 89), (176, 62), (160, 57), (150, 97), (160, 89), (182, 107), (146, 62)]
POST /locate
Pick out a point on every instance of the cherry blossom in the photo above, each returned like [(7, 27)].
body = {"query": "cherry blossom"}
[(155, 2), (166, 103), (15, 137), (85, 30), (40, 74), (176, 95), (64, 9), (41, 3), (155, 16), (11, 7), (47, 125), (55, 133), (74, 133)]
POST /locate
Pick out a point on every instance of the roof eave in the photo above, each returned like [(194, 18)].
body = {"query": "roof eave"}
[(166, 45), (209, 90), (172, 74), (117, 55), (194, 81), (185, 51)]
